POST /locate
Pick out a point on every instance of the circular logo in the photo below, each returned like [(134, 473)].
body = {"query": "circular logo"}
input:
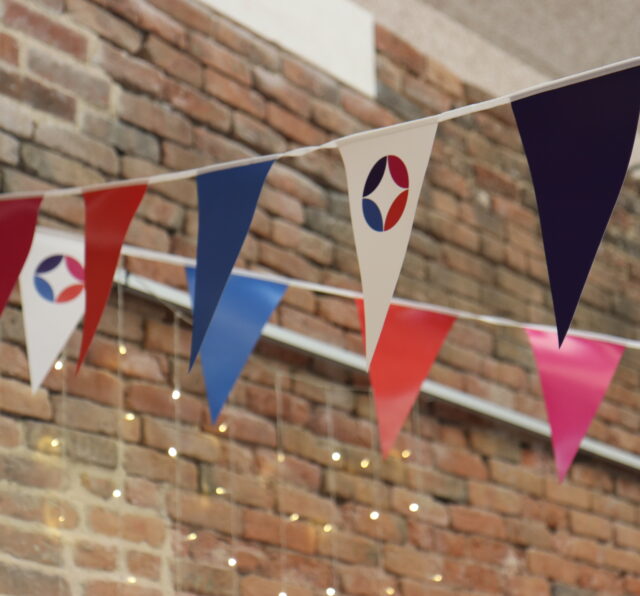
[(59, 278), (385, 192)]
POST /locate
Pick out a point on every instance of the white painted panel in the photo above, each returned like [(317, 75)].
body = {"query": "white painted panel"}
[(336, 35)]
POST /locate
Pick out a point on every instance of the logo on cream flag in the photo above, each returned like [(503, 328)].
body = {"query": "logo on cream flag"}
[(385, 170), (53, 299)]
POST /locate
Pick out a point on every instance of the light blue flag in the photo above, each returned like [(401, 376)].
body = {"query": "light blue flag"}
[(244, 307)]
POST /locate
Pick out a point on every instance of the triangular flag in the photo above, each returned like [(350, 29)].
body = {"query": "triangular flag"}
[(574, 379), (578, 142), (385, 171), (408, 346), (108, 215), (17, 223), (52, 291), (244, 307), (227, 200)]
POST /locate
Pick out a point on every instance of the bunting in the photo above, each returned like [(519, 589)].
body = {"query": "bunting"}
[(574, 379), (108, 214), (227, 200), (385, 171), (578, 141), (244, 307), (409, 344), (17, 223), (52, 291)]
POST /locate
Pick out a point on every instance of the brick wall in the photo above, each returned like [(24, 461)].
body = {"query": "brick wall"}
[(103, 89)]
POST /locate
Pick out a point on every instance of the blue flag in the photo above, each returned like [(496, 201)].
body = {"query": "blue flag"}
[(578, 142), (226, 203), (244, 308)]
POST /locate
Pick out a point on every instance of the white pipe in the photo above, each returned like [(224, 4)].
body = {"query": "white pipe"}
[(355, 361)]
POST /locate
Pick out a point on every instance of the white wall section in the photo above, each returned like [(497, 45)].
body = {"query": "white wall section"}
[(336, 35)]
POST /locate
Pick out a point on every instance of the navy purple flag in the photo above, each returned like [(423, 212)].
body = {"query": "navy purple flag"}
[(578, 141), (245, 306), (227, 200)]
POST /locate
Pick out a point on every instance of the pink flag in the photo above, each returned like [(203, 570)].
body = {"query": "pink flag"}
[(408, 346), (574, 379)]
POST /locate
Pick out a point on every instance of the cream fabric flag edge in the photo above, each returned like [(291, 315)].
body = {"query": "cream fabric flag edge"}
[(381, 167), (53, 299)]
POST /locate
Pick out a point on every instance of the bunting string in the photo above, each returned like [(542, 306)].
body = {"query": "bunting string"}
[(333, 144), (182, 261)]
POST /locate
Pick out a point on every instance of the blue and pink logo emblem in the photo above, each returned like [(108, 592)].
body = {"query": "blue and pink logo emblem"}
[(385, 193), (59, 278)]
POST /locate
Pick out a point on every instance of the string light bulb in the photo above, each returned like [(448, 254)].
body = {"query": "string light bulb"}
[(280, 457), (192, 536), (436, 578), (58, 365), (413, 507), (176, 395), (117, 493), (327, 528), (365, 462), (336, 456), (122, 349), (294, 517), (172, 451), (55, 443), (221, 490), (374, 515), (390, 590), (282, 594), (232, 562), (330, 592), (223, 428), (132, 580), (129, 416), (406, 453)]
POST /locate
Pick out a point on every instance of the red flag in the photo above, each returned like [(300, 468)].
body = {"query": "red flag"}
[(108, 215), (574, 379), (18, 219), (409, 344)]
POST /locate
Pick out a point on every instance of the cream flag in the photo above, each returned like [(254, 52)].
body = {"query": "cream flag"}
[(52, 291), (385, 170)]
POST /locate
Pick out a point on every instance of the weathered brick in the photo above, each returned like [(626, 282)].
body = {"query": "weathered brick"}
[(173, 61), (39, 25)]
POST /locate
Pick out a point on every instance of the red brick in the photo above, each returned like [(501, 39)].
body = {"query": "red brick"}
[(217, 56), (139, 461), (105, 24), (144, 16), (294, 127), (94, 556), (135, 528), (476, 521), (45, 30), (243, 42), (142, 564), (253, 585), (17, 398), (156, 400), (365, 109), (108, 588), (552, 566), (9, 50), (399, 50), (75, 145), (234, 94), (173, 61), (38, 95), (460, 462), (188, 12), (586, 524), (20, 580), (154, 117), (257, 135), (495, 498)]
